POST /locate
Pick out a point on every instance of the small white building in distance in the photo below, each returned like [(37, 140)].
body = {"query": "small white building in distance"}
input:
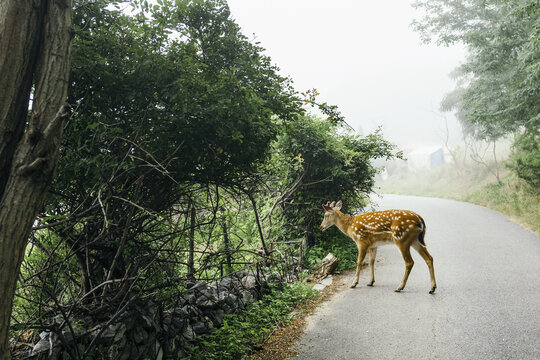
[(427, 157)]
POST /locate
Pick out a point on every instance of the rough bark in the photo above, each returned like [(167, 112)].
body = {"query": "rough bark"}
[(35, 52)]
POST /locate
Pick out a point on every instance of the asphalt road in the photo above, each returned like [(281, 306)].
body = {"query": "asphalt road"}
[(487, 303)]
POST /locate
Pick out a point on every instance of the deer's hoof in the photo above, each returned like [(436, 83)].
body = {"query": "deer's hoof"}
[(353, 285), (370, 284), (398, 290)]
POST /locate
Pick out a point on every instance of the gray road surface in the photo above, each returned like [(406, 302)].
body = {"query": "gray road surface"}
[(487, 304)]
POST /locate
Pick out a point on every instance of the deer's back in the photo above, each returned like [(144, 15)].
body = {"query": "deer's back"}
[(387, 225)]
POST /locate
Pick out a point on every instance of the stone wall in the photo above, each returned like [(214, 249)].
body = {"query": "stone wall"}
[(146, 332)]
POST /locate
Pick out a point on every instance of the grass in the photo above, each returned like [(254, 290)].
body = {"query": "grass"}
[(475, 184), (512, 197)]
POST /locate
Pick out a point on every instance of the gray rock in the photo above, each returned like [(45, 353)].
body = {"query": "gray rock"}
[(191, 310), (198, 288), (318, 287), (140, 335), (200, 328), (188, 333), (110, 331), (148, 321), (120, 331), (181, 312), (208, 298), (247, 297), (229, 282), (179, 323), (205, 303), (113, 351), (249, 282), (222, 295), (41, 346), (67, 335), (231, 300), (126, 352), (226, 309), (217, 317), (326, 281)]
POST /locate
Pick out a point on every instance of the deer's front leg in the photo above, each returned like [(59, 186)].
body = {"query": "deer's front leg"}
[(361, 255)]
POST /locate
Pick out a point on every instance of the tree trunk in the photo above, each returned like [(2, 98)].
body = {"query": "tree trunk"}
[(227, 246), (35, 52), (259, 226), (191, 262), (328, 266)]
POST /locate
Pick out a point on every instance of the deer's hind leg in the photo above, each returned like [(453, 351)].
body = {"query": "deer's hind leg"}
[(429, 261), (409, 262), (372, 256)]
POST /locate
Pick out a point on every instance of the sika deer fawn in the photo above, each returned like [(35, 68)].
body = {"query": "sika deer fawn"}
[(402, 227)]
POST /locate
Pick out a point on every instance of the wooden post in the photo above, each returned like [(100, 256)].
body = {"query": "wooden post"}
[(259, 226)]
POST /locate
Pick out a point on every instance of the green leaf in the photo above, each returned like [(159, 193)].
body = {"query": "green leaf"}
[(92, 126)]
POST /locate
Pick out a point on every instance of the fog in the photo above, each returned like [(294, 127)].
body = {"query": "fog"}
[(362, 56)]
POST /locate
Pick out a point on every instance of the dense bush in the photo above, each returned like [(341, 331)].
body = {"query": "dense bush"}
[(525, 159), (334, 164)]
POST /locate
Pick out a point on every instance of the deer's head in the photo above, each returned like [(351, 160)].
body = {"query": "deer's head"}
[(330, 214)]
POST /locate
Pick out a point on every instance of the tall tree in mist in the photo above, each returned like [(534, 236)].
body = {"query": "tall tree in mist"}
[(500, 80), (499, 83), (35, 52)]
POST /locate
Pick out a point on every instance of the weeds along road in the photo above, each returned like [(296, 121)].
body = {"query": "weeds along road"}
[(487, 304)]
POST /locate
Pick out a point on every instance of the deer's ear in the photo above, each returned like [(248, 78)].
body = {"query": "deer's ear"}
[(338, 205), (327, 208), (332, 204)]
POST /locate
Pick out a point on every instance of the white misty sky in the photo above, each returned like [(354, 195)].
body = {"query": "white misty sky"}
[(362, 56)]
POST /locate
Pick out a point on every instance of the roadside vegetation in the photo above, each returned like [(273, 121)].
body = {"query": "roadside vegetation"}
[(187, 161), (473, 183), (243, 333)]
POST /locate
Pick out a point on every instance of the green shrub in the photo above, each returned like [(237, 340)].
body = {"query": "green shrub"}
[(525, 159), (240, 333), (341, 246)]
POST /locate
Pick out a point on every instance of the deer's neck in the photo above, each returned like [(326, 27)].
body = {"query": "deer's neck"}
[(343, 222)]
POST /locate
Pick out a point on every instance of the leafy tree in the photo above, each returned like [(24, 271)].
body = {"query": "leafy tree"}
[(499, 91), (332, 163), (155, 117)]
